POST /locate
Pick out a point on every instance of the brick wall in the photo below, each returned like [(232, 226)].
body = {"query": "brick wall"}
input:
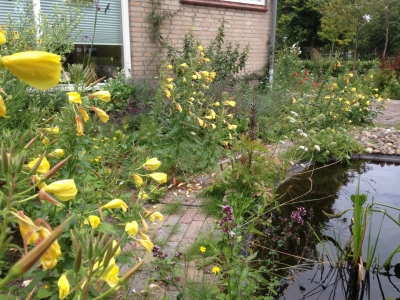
[(244, 26)]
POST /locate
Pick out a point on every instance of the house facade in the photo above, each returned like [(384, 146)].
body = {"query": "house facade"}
[(122, 37)]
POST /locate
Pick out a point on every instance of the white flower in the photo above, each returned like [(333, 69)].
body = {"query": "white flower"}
[(299, 130), (291, 120), (282, 142), (294, 113), (316, 147), (304, 148), (303, 134)]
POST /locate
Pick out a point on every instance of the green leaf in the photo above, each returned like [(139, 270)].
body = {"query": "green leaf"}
[(107, 228), (44, 293)]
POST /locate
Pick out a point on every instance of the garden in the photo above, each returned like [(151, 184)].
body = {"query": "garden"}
[(86, 162)]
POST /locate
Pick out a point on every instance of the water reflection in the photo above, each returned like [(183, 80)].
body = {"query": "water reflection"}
[(329, 190)]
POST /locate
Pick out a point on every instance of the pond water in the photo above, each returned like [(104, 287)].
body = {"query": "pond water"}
[(329, 189)]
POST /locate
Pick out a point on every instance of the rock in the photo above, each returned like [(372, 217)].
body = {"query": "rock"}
[(398, 152), (376, 151), (368, 150)]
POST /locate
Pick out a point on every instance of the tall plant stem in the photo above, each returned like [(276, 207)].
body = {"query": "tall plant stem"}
[(94, 31)]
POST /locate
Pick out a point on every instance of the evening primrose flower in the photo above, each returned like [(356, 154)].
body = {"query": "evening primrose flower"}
[(216, 270), (3, 109), (102, 95), (132, 228), (116, 203), (64, 190), (2, 38), (43, 168), (200, 122), (63, 286), (57, 153), (84, 114), (200, 48), (169, 80), (39, 69), (26, 227), (203, 249), (50, 258), (93, 220), (179, 107), (36, 179), (159, 177), (111, 274), (170, 67), (230, 102), (100, 113), (145, 242), (152, 164), (167, 93), (216, 104), (205, 73), (74, 97), (138, 180), (156, 215), (79, 126), (184, 65)]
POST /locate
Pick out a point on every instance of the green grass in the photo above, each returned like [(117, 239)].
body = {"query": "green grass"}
[(172, 208)]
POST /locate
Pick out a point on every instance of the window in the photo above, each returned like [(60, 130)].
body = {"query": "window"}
[(257, 5)]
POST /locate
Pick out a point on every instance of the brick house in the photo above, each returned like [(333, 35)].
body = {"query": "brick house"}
[(122, 37)]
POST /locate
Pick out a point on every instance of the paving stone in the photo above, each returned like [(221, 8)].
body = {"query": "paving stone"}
[(189, 215), (178, 236)]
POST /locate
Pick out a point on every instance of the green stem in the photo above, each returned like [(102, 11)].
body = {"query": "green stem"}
[(25, 200), (94, 31), (5, 216)]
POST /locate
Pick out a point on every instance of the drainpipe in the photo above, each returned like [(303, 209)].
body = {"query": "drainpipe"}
[(272, 42)]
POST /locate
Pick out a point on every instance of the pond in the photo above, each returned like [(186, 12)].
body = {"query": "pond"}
[(308, 267)]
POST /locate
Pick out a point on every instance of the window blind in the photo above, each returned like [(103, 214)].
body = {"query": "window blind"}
[(12, 8), (108, 25)]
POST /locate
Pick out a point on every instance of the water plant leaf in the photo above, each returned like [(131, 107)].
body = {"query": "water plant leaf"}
[(360, 199)]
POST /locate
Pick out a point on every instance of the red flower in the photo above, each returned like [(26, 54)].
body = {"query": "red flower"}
[(306, 73), (319, 84), (313, 84), (295, 74), (305, 78)]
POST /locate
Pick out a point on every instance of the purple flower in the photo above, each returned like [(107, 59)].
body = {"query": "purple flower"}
[(297, 215)]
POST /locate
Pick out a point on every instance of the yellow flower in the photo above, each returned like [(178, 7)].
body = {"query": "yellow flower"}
[(57, 153), (184, 79), (63, 189), (159, 177), (26, 227), (351, 74), (184, 65), (116, 203), (206, 59), (100, 113), (74, 97), (111, 275), (212, 114), (3, 109), (16, 35), (94, 221), (142, 195), (55, 130), (169, 67), (230, 102), (38, 69), (167, 93), (50, 257), (138, 180), (213, 126), (179, 107), (200, 48), (79, 126), (63, 286), (102, 95), (2, 38), (118, 252), (213, 74), (200, 122), (170, 86), (152, 164), (156, 215), (203, 249), (169, 80), (144, 225), (145, 242), (216, 104), (205, 73), (37, 179), (45, 140), (132, 228), (43, 168), (231, 127), (353, 89), (84, 114), (216, 270)]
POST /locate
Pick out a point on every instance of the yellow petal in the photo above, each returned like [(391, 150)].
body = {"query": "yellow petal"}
[(79, 126), (138, 180), (102, 95), (152, 164), (94, 221), (132, 228), (39, 69), (84, 114), (159, 177), (2, 38), (74, 97), (44, 166), (116, 203), (63, 286), (100, 113), (63, 189), (3, 109)]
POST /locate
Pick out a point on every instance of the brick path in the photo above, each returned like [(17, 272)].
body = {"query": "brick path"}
[(176, 232), (390, 116)]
